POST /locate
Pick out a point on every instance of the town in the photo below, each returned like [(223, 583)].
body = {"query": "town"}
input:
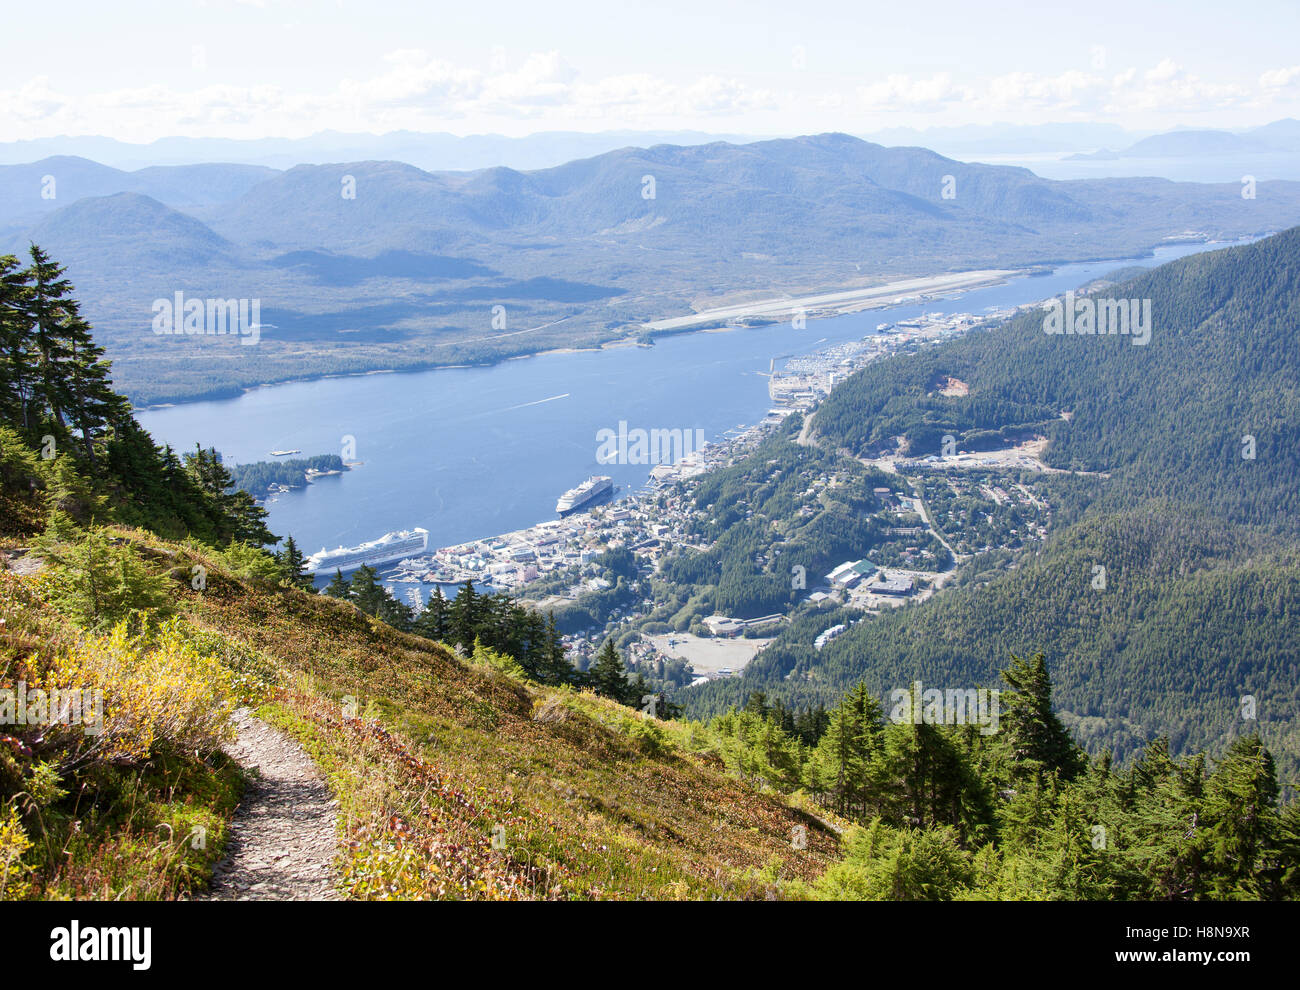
[(962, 504)]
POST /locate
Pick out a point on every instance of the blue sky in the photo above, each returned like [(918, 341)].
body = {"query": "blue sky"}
[(256, 68)]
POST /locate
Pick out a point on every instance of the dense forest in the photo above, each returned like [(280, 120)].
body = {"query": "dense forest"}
[(259, 477), (1188, 524), (949, 811), (1175, 417)]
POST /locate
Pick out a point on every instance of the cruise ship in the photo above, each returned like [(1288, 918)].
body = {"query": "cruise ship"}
[(586, 493), (388, 548)]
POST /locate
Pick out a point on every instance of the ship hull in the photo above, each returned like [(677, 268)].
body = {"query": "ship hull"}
[(596, 497), (368, 555)]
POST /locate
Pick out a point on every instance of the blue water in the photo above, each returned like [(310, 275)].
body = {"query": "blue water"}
[(472, 452)]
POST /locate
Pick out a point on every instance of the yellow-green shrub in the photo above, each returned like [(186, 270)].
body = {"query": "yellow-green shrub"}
[(157, 688)]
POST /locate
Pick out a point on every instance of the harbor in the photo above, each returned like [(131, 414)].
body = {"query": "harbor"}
[(651, 521), (468, 452)]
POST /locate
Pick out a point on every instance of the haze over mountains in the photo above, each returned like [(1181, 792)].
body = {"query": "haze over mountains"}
[(451, 152), (1279, 136), (424, 150), (407, 273)]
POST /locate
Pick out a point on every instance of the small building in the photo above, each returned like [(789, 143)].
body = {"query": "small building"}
[(850, 573), (827, 636), (892, 586)]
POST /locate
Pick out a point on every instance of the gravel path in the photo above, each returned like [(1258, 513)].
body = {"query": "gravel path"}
[(282, 840)]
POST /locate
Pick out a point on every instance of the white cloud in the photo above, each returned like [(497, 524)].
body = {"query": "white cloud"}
[(1067, 91), (1168, 88), (1167, 69), (1280, 78), (33, 101), (414, 79), (412, 88), (905, 92)]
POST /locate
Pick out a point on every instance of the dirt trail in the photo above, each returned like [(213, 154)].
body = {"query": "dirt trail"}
[(282, 840)]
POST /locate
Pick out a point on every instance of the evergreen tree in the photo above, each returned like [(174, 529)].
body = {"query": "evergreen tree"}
[(338, 588), (465, 617), (365, 590), (1159, 835), (556, 669), (292, 563), (244, 519), (1238, 820), (395, 613), (432, 622), (1038, 740), (606, 675), (15, 367), (843, 763)]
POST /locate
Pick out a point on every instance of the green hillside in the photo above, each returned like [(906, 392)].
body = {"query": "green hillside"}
[(469, 760), (1200, 605)]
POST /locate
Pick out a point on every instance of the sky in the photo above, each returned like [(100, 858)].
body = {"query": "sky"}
[(137, 70)]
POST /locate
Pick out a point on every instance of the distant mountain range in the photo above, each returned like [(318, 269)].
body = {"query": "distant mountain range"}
[(1279, 136), (379, 264), (451, 152), (30, 191), (1009, 139), (437, 151)]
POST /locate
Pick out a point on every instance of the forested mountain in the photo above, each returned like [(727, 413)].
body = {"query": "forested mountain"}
[(1168, 418), (375, 264), (1195, 526), (44, 186), (475, 761)]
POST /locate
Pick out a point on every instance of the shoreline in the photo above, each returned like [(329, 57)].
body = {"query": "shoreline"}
[(675, 326)]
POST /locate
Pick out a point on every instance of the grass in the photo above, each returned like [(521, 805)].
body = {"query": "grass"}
[(455, 779), (128, 814)]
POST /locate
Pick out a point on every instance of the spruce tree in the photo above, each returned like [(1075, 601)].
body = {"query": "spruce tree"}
[(292, 563), (242, 519), (47, 312), (432, 622), (606, 675), (365, 590), (464, 617), (557, 668), (15, 368), (1239, 819), (1038, 741), (338, 588), (843, 762)]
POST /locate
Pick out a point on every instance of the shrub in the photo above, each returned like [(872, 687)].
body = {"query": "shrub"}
[(97, 580), (123, 695)]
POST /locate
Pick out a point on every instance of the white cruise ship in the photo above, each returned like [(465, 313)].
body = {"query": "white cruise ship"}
[(385, 550), (586, 493)]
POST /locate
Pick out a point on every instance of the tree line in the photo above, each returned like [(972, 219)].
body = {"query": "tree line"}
[(954, 812), (472, 620)]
